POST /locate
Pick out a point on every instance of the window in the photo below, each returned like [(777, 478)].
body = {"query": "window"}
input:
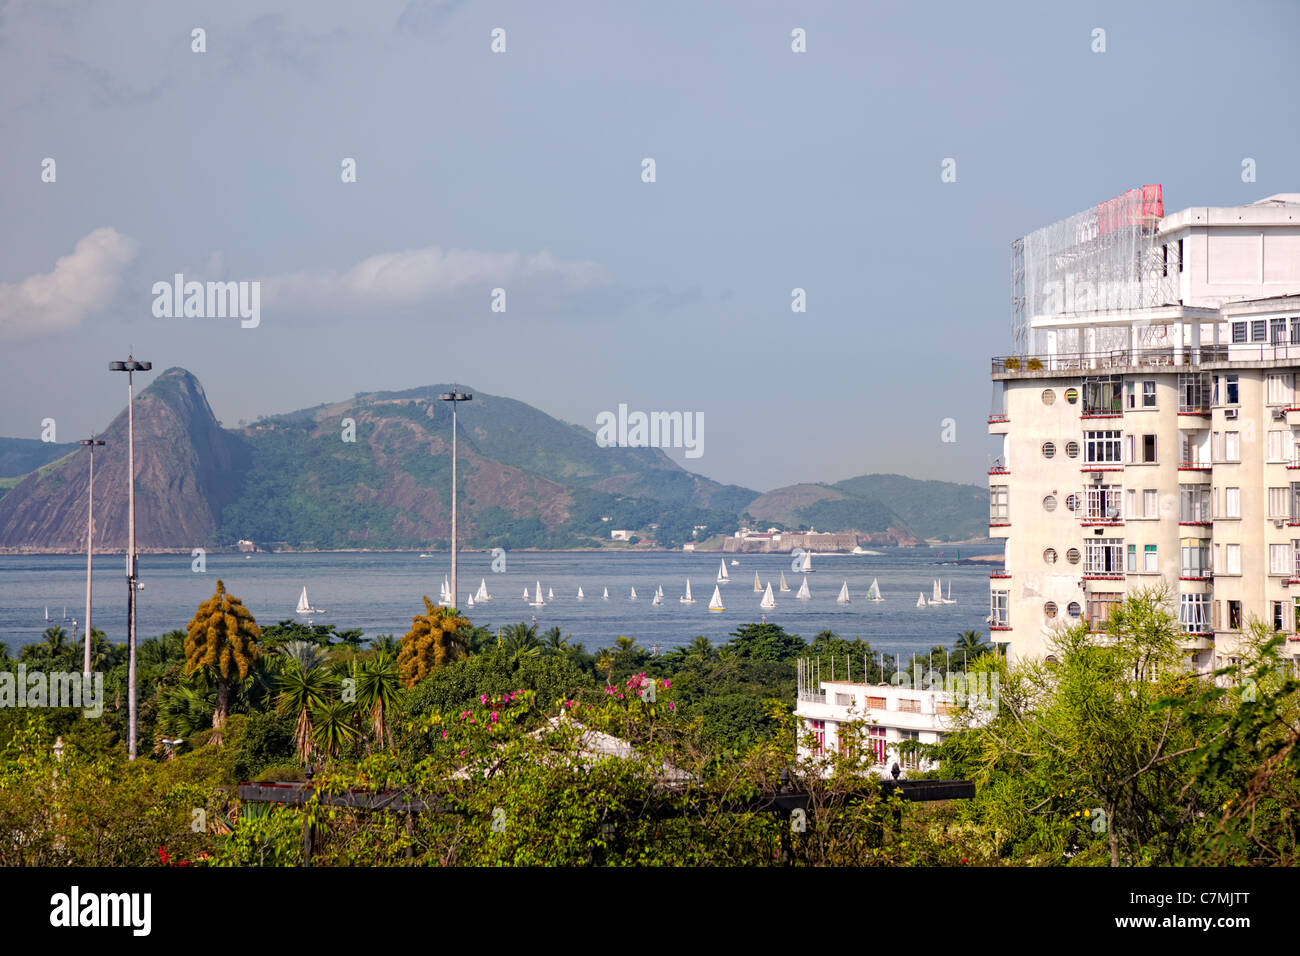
[(1049, 610), (1193, 504), (999, 606), (1259, 330), (1101, 396), (1148, 394), (1230, 390), (1100, 604), (1279, 500), (1279, 387), (1049, 449), (1072, 502), (1102, 503), (909, 706), (819, 735), (1238, 331), (1193, 391), (1072, 394), (1194, 613), (1278, 442), (1280, 559), (1295, 330), (1049, 503), (1181, 260), (1131, 504), (1234, 615), (1279, 620), (1073, 609), (1072, 555), (1295, 498), (1131, 558), (1195, 558), (999, 503), (1102, 556), (1232, 502), (1049, 396), (876, 703), (1151, 503), (843, 700), (1232, 446), (1232, 559), (1102, 447), (876, 740), (1072, 449), (1277, 331), (1149, 561), (1148, 449), (1049, 555)]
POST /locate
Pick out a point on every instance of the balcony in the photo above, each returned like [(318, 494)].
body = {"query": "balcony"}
[(1194, 463), (998, 468), (999, 573), (1202, 411), (1116, 358), (998, 418)]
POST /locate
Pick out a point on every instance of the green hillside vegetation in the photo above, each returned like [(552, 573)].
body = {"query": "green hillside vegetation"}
[(941, 510), (19, 456)]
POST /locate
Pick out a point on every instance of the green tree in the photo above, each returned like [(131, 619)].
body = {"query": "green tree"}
[(436, 638), (379, 693), (301, 694), (221, 645)]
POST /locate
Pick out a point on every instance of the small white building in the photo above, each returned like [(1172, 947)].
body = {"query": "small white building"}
[(620, 534)]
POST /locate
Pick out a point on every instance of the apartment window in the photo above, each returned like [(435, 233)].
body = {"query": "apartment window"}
[(999, 503), (1050, 610), (1232, 446), (999, 606), (1277, 331), (1151, 503), (1279, 387), (1232, 502), (1295, 330), (843, 700), (1234, 615), (1140, 394), (1100, 604), (1102, 503), (1131, 558), (1102, 447), (1102, 556), (1193, 391), (1049, 396), (1295, 498), (1279, 620), (1072, 449), (1072, 394), (1181, 260), (1232, 559), (1049, 503), (1278, 501), (1131, 504), (876, 703), (1073, 609), (1049, 555), (1280, 559), (1194, 613), (1049, 449), (1238, 331), (1230, 390), (1101, 395), (1072, 555), (876, 740), (1148, 449), (1195, 558), (1149, 561), (909, 706), (819, 735), (1072, 502), (1164, 259), (1259, 330), (1193, 503), (1277, 445)]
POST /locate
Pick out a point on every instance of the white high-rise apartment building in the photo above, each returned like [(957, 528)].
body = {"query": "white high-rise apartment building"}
[(1150, 422)]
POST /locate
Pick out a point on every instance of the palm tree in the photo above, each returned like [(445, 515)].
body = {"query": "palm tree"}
[(971, 645), (301, 694), (305, 654), (521, 641), (387, 643), (101, 652), (221, 645), (434, 639), (53, 645), (4, 651), (379, 692), (555, 640), (332, 726), (184, 710), (701, 647)]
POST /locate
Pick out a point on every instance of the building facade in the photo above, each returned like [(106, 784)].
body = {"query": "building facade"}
[(1150, 423)]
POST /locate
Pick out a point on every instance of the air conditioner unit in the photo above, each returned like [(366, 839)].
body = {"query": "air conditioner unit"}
[(1230, 414), (1278, 522), (1279, 414)]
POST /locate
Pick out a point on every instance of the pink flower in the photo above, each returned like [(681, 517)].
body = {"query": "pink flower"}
[(483, 699), (462, 753), (670, 705), (494, 716), (444, 735), (667, 684), (620, 696)]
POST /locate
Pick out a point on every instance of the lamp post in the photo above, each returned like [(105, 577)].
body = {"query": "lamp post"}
[(130, 366), (454, 397), (92, 442)]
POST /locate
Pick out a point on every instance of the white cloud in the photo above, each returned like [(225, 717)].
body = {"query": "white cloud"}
[(61, 300), (419, 275)]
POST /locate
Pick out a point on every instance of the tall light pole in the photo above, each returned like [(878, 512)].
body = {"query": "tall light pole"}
[(454, 397), (92, 442), (130, 366)]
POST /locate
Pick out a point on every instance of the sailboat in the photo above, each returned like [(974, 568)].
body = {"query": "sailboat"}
[(784, 586), (304, 605), (769, 601), (844, 594), (469, 600), (715, 602), (47, 612), (804, 594), (949, 599), (581, 597), (734, 562), (550, 594), (537, 596), (723, 578), (444, 597), (686, 598), (605, 596), (758, 588), (920, 600), (873, 592), (525, 594), (807, 567), (937, 597), (632, 596), (482, 593), (659, 598)]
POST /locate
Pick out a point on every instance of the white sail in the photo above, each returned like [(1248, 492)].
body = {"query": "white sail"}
[(632, 596), (844, 594), (769, 600), (948, 599), (47, 612), (469, 600), (937, 596), (304, 606), (758, 588), (482, 594), (784, 586), (920, 600), (804, 594), (581, 596), (525, 594), (659, 598), (806, 567), (605, 596), (686, 598), (722, 572), (873, 593), (537, 600), (715, 603)]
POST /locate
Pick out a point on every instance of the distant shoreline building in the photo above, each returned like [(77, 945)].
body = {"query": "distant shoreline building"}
[(1150, 423)]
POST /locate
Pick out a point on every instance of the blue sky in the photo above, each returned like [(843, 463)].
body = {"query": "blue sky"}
[(522, 170)]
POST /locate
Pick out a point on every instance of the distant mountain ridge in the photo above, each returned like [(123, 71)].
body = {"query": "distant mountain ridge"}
[(374, 471)]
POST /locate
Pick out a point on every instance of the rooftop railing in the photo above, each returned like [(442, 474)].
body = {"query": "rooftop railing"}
[(1123, 358)]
